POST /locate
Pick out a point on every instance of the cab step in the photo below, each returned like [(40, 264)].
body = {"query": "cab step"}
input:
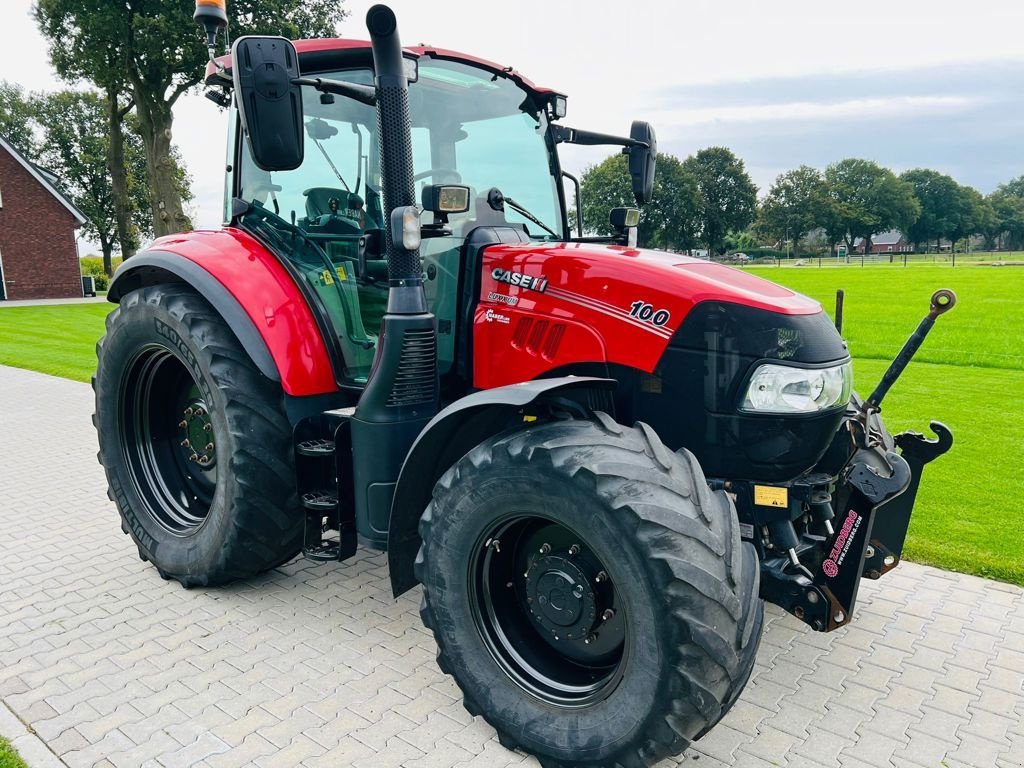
[(321, 469)]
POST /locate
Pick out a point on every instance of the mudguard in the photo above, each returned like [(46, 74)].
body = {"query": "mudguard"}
[(446, 439), (252, 291)]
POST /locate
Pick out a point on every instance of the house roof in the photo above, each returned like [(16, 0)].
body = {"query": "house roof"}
[(892, 237), (45, 178)]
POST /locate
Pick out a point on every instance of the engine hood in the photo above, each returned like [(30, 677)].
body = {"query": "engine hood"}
[(602, 270), (548, 306)]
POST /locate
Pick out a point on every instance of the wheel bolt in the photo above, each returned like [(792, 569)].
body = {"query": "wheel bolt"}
[(208, 428), (188, 413), (590, 639), (200, 412), (194, 457), (185, 443), (183, 424), (607, 615), (574, 550), (601, 577), (209, 447), (545, 548), (578, 591)]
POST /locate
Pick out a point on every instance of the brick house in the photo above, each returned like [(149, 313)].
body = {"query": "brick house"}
[(885, 242), (38, 248)]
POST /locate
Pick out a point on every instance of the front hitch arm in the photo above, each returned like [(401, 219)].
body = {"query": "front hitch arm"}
[(838, 578), (889, 532)]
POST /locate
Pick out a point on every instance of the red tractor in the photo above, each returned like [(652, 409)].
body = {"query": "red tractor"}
[(596, 459)]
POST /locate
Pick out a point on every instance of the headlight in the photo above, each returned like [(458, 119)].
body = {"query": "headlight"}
[(785, 389)]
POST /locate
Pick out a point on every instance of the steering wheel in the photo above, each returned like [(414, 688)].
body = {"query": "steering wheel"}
[(456, 177)]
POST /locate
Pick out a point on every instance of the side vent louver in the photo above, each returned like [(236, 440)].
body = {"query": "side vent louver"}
[(416, 379)]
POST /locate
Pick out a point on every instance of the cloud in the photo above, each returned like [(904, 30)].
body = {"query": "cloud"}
[(963, 120)]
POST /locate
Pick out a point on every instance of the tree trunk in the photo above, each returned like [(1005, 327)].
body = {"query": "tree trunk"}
[(118, 181), (155, 119), (107, 247)]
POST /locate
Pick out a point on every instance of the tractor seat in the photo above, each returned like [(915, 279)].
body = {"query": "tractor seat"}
[(318, 201)]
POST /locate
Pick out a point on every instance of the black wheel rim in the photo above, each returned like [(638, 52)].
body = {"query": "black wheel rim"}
[(168, 440), (548, 610)]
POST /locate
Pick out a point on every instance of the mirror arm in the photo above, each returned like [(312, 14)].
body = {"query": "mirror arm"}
[(579, 202), (564, 134), (362, 93)]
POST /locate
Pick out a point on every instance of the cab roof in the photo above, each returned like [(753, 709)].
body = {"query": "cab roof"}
[(308, 50)]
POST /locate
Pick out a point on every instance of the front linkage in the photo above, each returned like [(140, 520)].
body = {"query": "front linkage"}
[(812, 559)]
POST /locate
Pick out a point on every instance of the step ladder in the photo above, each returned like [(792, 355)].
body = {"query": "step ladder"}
[(324, 477)]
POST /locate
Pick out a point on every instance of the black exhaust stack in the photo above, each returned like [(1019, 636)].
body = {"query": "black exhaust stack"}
[(394, 130), (402, 393)]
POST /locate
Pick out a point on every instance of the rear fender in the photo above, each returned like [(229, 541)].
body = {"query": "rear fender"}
[(451, 435), (252, 291)]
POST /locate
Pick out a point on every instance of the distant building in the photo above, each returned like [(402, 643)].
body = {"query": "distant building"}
[(885, 242), (38, 248)]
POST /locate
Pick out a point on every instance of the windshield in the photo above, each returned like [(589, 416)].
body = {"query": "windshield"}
[(468, 127)]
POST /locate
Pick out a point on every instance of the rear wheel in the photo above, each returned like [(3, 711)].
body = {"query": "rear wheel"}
[(194, 441), (589, 593)]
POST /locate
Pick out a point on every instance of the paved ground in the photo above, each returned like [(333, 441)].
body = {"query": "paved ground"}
[(317, 666), (48, 302)]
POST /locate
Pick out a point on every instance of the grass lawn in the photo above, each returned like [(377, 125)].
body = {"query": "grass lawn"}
[(8, 757), (969, 374), (59, 339)]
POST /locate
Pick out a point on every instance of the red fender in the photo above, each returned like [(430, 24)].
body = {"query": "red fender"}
[(233, 261)]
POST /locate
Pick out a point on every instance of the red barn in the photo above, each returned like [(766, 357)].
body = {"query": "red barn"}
[(38, 249)]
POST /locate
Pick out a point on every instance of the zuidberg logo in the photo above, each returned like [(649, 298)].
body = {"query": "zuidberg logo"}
[(530, 282)]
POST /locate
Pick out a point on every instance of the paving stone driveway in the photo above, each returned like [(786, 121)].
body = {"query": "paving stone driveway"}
[(316, 665)]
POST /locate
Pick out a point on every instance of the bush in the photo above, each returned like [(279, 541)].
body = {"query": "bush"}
[(93, 265), (765, 253)]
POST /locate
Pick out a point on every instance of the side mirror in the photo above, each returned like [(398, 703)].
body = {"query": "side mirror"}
[(269, 101), (642, 160)]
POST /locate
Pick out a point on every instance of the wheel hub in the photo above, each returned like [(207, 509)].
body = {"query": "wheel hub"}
[(197, 435), (560, 597)]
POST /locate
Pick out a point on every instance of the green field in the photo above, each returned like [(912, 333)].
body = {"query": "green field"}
[(969, 374)]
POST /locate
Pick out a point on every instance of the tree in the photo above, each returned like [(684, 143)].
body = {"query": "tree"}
[(969, 215), (16, 117), (728, 196), (75, 147), (793, 206), (1008, 208), (941, 201), (669, 221), (868, 199), (152, 50)]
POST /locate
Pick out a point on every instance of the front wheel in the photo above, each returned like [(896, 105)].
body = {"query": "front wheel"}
[(588, 592)]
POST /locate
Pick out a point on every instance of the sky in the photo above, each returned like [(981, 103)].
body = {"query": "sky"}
[(907, 83)]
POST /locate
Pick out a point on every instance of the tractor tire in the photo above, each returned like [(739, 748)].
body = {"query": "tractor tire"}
[(589, 593), (194, 441)]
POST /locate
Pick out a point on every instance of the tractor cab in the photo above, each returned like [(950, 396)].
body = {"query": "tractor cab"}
[(471, 128)]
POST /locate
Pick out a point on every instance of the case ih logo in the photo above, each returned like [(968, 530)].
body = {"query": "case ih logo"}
[(530, 282), (843, 541)]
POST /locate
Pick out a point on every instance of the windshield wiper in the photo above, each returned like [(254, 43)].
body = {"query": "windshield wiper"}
[(331, 163), (525, 213)]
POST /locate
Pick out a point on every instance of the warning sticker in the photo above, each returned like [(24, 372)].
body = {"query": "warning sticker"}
[(771, 496)]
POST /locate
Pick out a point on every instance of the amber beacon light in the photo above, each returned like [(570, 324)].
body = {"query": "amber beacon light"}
[(213, 16)]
